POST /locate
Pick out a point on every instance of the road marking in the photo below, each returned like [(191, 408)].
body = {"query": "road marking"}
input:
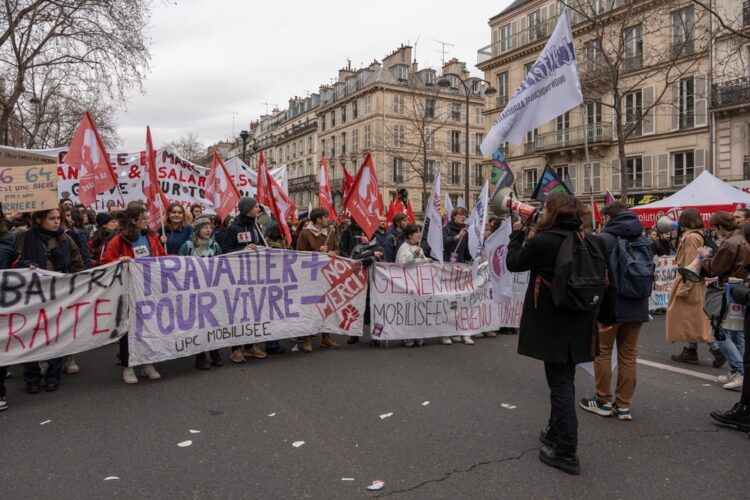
[(675, 369)]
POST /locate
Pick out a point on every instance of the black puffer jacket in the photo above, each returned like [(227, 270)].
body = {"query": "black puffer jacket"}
[(451, 245)]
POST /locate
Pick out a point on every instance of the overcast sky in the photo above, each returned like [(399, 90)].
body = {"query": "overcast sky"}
[(214, 58)]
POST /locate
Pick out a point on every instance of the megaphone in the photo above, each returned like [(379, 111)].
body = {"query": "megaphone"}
[(503, 203), (664, 224), (692, 272)]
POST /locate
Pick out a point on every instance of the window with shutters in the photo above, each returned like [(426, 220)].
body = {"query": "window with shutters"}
[(455, 176), (634, 172), (398, 136), (478, 138), (502, 89), (633, 53), (683, 167), (429, 108), (479, 115), (595, 62), (686, 103), (355, 140), (534, 21), (368, 103), (478, 177), (398, 104), (398, 170), (562, 126), (529, 181), (562, 171), (683, 29), (455, 141), (591, 177), (429, 139), (504, 33), (456, 112), (530, 145), (634, 112), (366, 138)]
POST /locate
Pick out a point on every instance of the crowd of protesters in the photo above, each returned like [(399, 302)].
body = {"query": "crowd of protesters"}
[(71, 238)]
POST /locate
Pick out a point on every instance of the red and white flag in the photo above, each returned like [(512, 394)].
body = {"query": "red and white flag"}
[(86, 153), (263, 190), (325, 198), (220, 188), (348, 180), (362, 199), (272, 196), (155, 198)]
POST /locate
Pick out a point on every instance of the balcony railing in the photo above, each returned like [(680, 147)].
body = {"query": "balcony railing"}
[(634, 183), (682, 48), (532, 34), (683, 180), (302, 180), (731, 93), (632, 63), (570, 137), (502, 101)]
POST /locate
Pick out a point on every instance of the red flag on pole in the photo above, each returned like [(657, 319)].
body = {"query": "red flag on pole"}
[(325, 198), (282, 207), (362, 199), (348, 180), (86, 153), (263, 193), (597, 214), (220, 188), (157, 202), (410, 213)]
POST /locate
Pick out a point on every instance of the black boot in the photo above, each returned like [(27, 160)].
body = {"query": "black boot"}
[(687, 355), (547, 437), (738, 416), (352, 340), (719, 358), (201, 362), (566, 462), (216, 358)]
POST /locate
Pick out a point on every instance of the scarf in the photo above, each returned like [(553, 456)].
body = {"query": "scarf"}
[(36, 250)]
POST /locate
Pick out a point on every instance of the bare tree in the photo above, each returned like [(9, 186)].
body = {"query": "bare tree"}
[(92, 48), (637, 79), (189, 147)]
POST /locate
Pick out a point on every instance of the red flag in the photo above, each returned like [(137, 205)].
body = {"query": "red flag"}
[(362, 199), (410, 213), (325, 199), (597, 214), (394, 208), (220, 188), (86, 153), (282, 207), (157, 202), (348, 180)]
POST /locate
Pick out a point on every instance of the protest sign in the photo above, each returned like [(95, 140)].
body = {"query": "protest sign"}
[(46, 315), (28, 189), (433, 299), (180, 306), (16, 157), (666, 271)]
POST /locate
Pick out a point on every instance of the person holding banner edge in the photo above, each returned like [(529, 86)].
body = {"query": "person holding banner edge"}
[(8, 259), (45, 245), (134, 239)]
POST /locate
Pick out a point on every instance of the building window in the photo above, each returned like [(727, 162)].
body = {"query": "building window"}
[(343, 113), (531, 137), (504, 34), (479, 115), (686, 103), (355, 140), (429, 139), (455, 172), (368, 103), (634, 172), (429, 108), (322, 122), (398, 136), (529, 181), (309, 145), (594, 112), (683, 26), (633, 54), (333, 146), (343, 143), (402, 73), (634, 112), (456, 112), (429, 171), (333, 118), (323, 145), (563, 124), (502, 89), (535, 25), (562, 171), (455, 141), (478, 177), (684, 168), (478, 138), (398, 170), (398, 104), (367, 137), (594, 55), (429, 78), (355, 111)]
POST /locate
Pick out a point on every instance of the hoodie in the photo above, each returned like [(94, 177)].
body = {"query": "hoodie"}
[(627, 226)]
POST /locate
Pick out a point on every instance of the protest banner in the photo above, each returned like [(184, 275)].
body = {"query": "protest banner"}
[(181, 306), (46, 315), (17, 157), (432, 299), (666, 271), (29, 188)]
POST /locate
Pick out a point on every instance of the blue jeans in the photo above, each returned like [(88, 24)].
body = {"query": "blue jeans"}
[(733, 348)]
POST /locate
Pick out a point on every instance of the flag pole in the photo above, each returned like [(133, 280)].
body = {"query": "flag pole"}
[(588, 165)]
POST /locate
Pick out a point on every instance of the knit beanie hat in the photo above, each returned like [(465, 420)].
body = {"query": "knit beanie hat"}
[(102, 219), (200, 222), (246, 204)]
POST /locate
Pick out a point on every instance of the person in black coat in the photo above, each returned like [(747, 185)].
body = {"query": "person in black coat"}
[(562, 338), (350, 238), (395, 237), (739, 415), (456, 237), (8, 258)]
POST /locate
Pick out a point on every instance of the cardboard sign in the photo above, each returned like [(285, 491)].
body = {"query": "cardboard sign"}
[(29, 188)]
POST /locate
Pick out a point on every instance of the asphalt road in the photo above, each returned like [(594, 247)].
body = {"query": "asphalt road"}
[(463, 444)]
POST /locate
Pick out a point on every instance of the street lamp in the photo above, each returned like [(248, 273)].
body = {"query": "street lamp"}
[(445, 82), (244, 135)]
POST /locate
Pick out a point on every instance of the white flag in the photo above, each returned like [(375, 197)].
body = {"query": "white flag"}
[(551, 88), (448, 210), (496, 248), (476, 224), (460, 202), (432, 213)]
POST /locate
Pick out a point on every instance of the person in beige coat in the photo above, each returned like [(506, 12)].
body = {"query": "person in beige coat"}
[(686, 321)]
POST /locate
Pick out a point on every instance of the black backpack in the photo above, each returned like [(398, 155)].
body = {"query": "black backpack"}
[(632, 263), (580, 272)]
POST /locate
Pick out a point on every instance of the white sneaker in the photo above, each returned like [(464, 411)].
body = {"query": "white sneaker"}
[(70, 365), (468, 340), (490, 334), (419, 342), (150, 372), (128, 376), (408, 343), (735, 384), (479, 335), (456, 338), (445, 340), (723, 379)]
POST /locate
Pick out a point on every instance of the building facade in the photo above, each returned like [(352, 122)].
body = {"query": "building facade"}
[(649, 61)]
